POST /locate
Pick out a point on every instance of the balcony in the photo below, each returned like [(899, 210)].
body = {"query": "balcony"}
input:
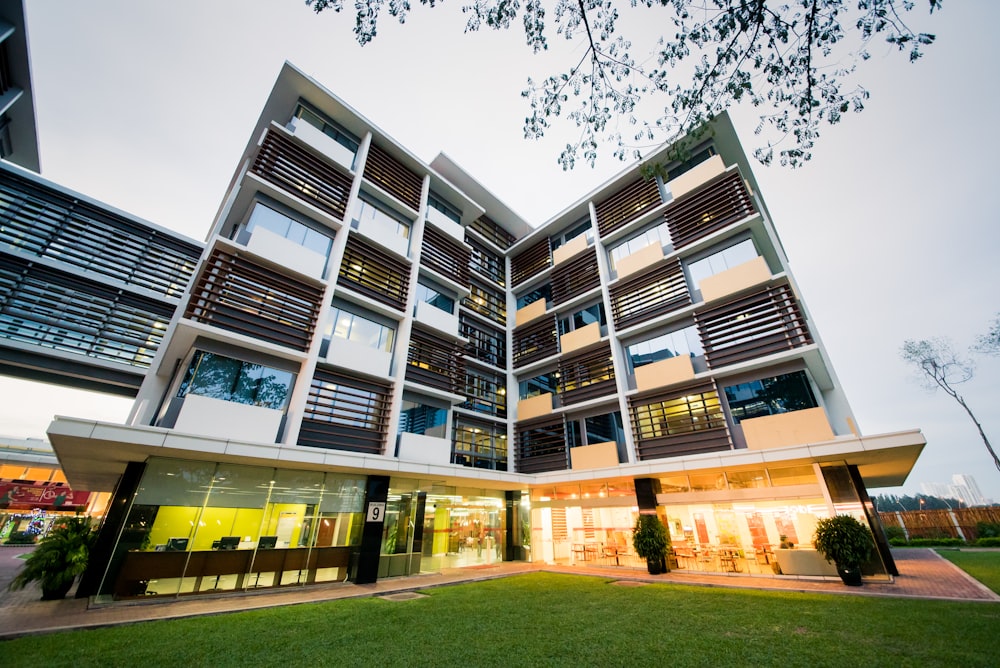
[(594, 456), (533, 407), (629, 203), (445, 255), (441, 221), (709, 208), (575, 277), (529, 262), (286, 253), (587, 376), (229, 420), (783, 430), (424, 449), (535, 341), (642, 258), (737, 279), (359, 357), (580, 338), (697, 176), (325, 145), (682, 420), (382, 228), (431, 316), (374, 274), (395, 178), (541, 446), (666, 372), (532, 311), (654, 292), (345, 413), (435, 363), (569, 249)]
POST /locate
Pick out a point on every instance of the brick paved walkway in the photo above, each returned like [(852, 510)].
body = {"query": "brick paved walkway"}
[(924, 574)]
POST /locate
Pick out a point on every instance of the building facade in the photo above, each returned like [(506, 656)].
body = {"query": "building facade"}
[(378, 368)]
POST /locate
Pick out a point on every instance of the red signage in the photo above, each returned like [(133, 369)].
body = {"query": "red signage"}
[(19, 496)]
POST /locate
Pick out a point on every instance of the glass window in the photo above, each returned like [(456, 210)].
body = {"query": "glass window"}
[(684, 341), (480, 445), (264, 217), (532, 387), (543, 293), (219, 377), (435, 201), (327, 127), (725, 259), (367, 209), (681, 415), (344, 324), (581, 227), (420, 418), (659, 234), (425, 293), (582, 318), (770, 396)]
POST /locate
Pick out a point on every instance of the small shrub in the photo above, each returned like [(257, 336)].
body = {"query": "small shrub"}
[(895, 533), (991, 541), (988, 529), (21, 538), (898, 542)]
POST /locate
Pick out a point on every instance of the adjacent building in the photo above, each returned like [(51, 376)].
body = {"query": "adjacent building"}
[(379, 368)]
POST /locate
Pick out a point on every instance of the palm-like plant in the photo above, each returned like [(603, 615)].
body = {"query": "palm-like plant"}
[(59, 558), (650, 542)]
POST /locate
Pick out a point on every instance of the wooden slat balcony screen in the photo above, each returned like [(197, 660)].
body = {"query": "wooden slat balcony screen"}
[(445, 255), (541, 446), (485, 343), (487, 303), (711, 207), (626, 205), (485, 392), (239, 295), (492, 232), (534, 341), (345, 413), (758, 324), (586, 376), (402, 182), (486, 263), (658, 290), (300, 173), (375, 273), (435, 362), (530, 261), (679, 421), (575, 277)]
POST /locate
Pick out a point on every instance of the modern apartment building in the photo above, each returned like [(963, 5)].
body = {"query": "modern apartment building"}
[(378, 368)]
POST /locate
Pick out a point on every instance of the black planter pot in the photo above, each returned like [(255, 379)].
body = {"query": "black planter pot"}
[(654, 566), (850, 576), (56, 593)]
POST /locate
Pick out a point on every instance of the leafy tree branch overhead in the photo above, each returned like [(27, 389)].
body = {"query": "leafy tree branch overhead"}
[(795, 60)]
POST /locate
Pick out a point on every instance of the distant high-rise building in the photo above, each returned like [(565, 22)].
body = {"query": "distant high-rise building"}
[(967, 490)]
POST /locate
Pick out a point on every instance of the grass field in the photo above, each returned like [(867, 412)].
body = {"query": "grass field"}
[(984, 565), (545, 619)]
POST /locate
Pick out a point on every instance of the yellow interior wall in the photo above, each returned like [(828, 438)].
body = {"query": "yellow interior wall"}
[(172, 522), (274, 512), (442, 524)]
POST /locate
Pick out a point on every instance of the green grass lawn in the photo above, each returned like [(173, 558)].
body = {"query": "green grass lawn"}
[(546, 619), (983, 565)]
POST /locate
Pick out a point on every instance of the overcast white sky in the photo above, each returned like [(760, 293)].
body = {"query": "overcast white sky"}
[(892, 229)]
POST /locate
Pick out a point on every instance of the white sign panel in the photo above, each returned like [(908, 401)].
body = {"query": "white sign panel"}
[(376, 512)]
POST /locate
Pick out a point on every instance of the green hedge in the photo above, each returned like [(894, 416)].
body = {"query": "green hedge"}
[(21, 538), (991, 541)]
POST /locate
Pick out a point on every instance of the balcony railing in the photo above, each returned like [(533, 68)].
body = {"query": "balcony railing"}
[(492, 232), (486, 263), (586, 376), (532, 260), (435, 363), (485, 343), (239, 295), (575, 277), (629, 203), (651, 293), (388, 172), (535, 341), (444, 255), (487, 303), (301, 174), (679, 421), (345, 413), (765, 322), (374, 274), (710, 208), (541, 446)]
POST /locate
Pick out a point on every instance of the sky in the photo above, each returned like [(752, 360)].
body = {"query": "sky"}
[(890, 229)]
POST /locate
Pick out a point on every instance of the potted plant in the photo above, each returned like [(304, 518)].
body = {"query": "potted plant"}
[(649, 539), (59, 558), (847, 543)]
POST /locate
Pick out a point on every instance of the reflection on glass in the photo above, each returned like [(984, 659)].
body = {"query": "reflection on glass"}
[(684, 341), (417, 418), (725, 259), (267, 218), (220, 377), (353, 327), (770, 396), (435, 298)]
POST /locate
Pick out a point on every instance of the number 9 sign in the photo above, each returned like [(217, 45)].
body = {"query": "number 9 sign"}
[(376, 512)]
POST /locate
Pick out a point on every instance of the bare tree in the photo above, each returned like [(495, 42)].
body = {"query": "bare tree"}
[(943, 368), (796, 60)]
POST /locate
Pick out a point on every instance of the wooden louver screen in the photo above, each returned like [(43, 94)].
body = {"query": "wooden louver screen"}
[(486, 344), (435, 362), (679, 421), (627, 204), (386, 171), (375, 273), (297, 171), (486, 263), (534, 341), (238, 295), (762, 323), (492, 232), (487, 303), (345, 413), (656, 291), (586, 376), (575, 277), (541, 446), (530, 261), (445, 255), (711, 207)]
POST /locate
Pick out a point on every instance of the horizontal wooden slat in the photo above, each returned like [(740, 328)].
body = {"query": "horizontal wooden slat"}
[(752, 326), (712, 207), (487, 302), (486, 263), (534, 341), (301, 174), (679, 421), (445, 255), (627, 204), (575, 277), (586, 376), (486, 344), (345, 413), (435, 362), (658, 290), (388, 172), (492, 232), (374, 273), (541, 446), (532, 260)]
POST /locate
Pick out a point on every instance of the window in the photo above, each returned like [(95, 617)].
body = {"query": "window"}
[(770, 396), (368, 210), (697, 157), (350, 326), (486, 344), (218, 377), (272, 220), (419, 417), (680, 415), (487, 303), (654, 235), (532, 387), (434, 297), (727, 258), (685, 342), (487, 263), (585, 316), (436, 202), (485, 392), (480, 444), (595, 429), (327, 127), (582, 226), (541, 293)]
